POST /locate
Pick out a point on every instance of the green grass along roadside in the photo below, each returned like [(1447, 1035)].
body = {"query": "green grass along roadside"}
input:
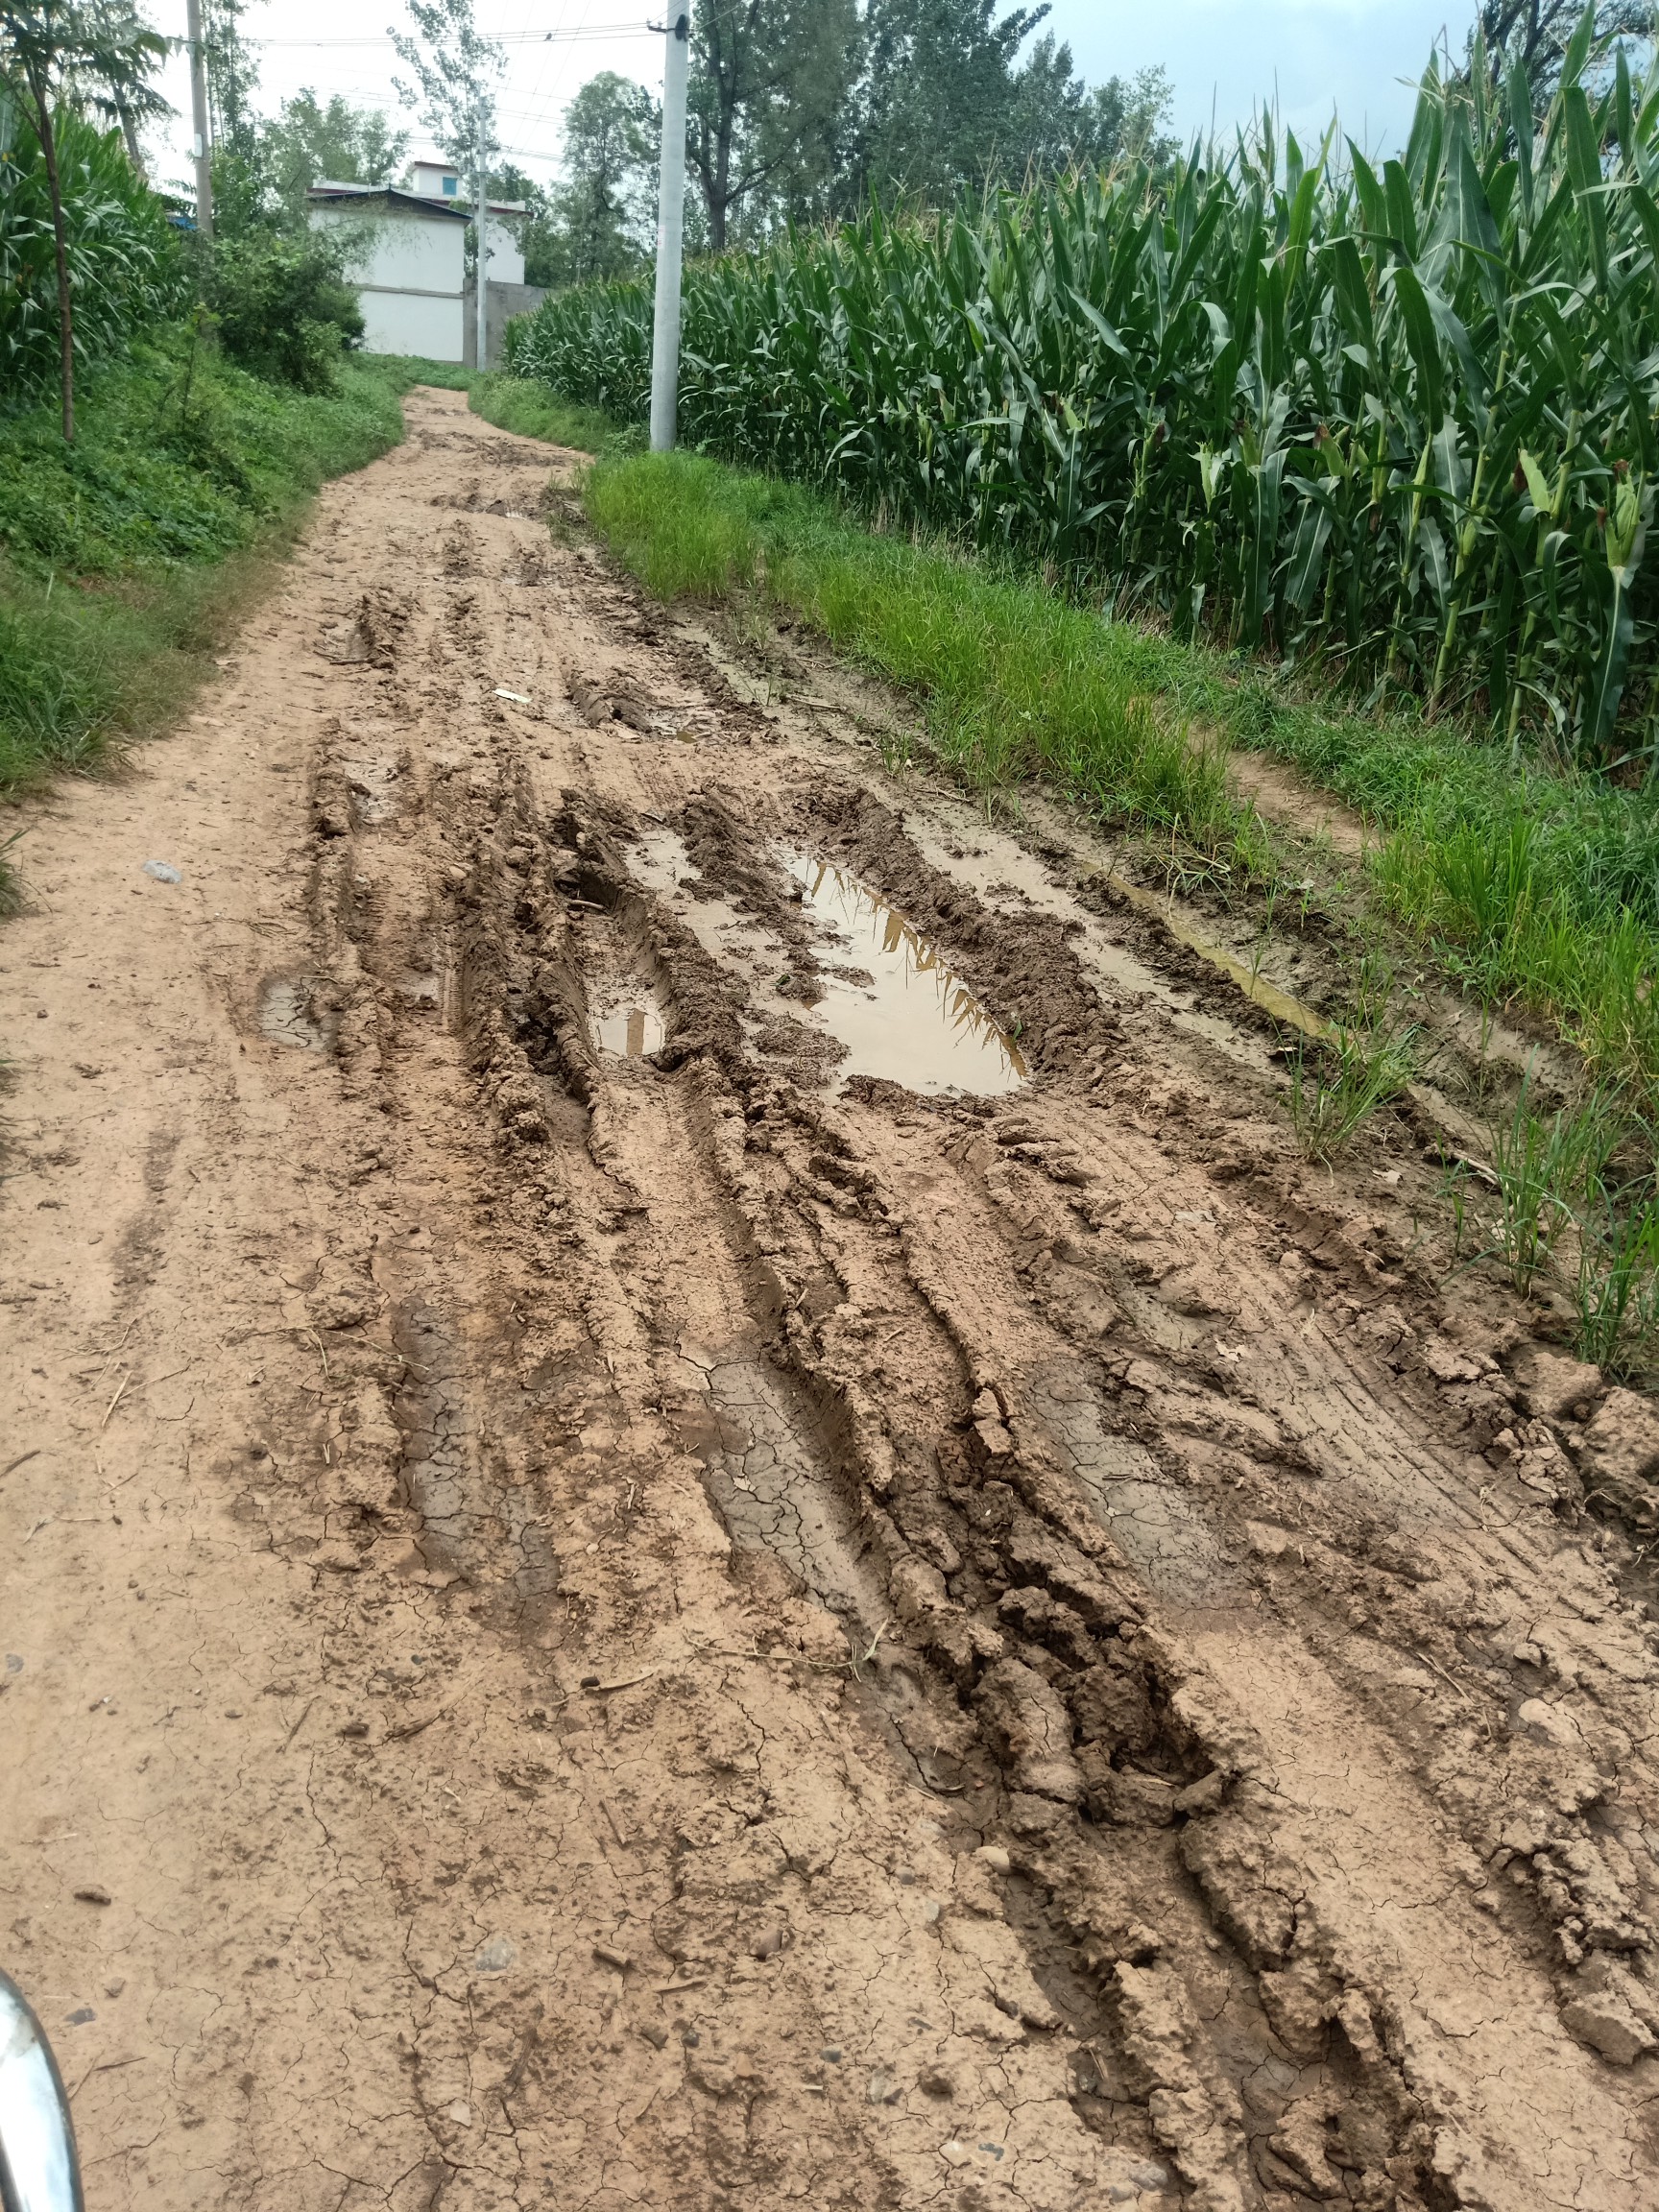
[(1523, 884), (534, 410), (126, 559)]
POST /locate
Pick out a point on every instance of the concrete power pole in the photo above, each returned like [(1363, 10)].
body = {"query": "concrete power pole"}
[(481, 204), (670, 228), (201, 150)]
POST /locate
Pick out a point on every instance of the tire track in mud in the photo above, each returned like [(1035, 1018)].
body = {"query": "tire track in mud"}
[(1066, 1666), (1328, 1966), (518, 994), (1334, 1428)]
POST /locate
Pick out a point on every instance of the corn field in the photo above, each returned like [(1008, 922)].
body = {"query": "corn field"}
[(1395, 419), (125, 268)]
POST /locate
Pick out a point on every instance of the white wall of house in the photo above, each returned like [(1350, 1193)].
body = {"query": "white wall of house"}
[(406, 250), (506, 255), (443, 181), (405, 323), (409, 276)]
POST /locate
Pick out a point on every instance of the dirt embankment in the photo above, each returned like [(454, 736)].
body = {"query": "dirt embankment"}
[(700, 1510)]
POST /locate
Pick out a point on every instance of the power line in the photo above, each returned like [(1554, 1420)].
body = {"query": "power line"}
[(508, 38)]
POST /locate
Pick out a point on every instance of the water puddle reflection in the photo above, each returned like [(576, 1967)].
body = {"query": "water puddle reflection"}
[(631, 1029), (888, 997), (901, 1013)]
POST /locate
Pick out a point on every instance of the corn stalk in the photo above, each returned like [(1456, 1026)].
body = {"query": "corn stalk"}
[(1400, 419)]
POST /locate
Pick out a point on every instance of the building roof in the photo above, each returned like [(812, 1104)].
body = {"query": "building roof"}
[(455, 170), (422, 204)]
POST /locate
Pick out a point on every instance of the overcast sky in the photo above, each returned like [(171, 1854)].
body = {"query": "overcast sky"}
[(1224, 58)]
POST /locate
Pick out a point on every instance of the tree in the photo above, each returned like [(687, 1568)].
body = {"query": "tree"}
[(1125, 120), (941, 94), (601, 212), (282, 306), (49, 47), (307, 142), (130, 103), (232, 76), (455, 73), (1537, 33), (945, 105), (769, 82), (1056, 122)]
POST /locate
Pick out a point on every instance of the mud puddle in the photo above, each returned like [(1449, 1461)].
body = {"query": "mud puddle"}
[(289, 1013), (888, 999), (631, 1028), (900, 1012), (1007, 877)]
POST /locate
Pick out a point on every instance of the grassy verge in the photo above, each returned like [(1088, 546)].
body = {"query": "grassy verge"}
[(124, 558), (1524, 884), (1529, 884), (535, 411)]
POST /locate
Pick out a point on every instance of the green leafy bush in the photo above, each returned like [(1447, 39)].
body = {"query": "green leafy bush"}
[(283, 308), (127, 269), (125, 557)]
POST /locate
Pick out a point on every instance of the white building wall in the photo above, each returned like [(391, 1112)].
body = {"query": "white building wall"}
[(410, 272), (506, 255), (408, 323), (405, 252), (443, 181)]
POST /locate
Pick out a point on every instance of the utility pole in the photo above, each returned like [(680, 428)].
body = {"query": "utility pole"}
[(201, 150), (670, 228), (481, 223)]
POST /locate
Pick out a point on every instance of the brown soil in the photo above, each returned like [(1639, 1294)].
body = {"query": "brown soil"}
[(696, 1627)]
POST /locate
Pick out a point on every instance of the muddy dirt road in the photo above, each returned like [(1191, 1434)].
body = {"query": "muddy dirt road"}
[(699, 1510)]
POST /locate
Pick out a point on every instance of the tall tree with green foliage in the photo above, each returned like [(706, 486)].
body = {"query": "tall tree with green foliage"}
[(455, 70), (1057, 123), (937, 97), (1537, 33), (600, 210), (126, 101), (48, 48), (233, 76), (945, 104), (308, 141), (770, 83)]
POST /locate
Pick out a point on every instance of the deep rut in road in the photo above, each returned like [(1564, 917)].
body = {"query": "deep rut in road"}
[(788, 1629)]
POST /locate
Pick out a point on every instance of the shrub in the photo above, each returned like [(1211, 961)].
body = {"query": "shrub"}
[(282, 307), (125, 268)]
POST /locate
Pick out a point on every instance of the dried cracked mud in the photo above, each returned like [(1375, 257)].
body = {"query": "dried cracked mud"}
[(699, 1510)]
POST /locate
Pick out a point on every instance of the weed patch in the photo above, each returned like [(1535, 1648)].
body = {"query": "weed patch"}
[(124, 558), (1337, 1086), (535, 411)]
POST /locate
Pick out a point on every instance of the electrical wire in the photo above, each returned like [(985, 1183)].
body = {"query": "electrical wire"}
[(635, 30)]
